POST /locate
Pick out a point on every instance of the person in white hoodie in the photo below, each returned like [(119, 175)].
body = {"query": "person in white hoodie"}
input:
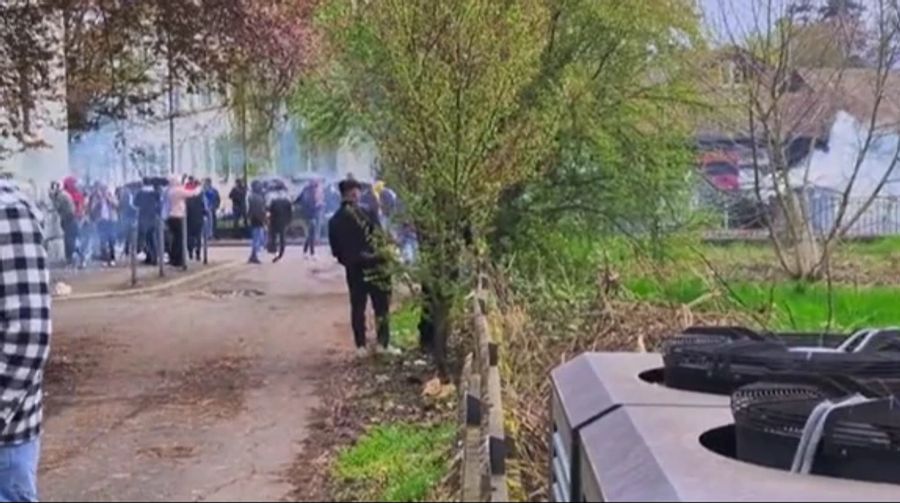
[(178, 195)]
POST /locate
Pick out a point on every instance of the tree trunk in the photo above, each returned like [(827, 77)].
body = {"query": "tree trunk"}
[(440, 309), (172, 111), (804, 245)]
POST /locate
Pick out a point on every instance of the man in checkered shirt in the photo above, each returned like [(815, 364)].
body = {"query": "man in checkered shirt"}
[(24, 341)]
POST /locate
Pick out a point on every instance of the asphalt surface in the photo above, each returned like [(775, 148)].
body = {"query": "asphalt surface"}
[(198, 394)]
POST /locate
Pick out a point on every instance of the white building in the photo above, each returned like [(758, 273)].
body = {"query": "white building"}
[(206, 145)]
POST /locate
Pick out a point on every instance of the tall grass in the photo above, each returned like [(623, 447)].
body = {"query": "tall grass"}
[(785, 305)]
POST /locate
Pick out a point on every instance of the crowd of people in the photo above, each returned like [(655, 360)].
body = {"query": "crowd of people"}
[(101, 224)]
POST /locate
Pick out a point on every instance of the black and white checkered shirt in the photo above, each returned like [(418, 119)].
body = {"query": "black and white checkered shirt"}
[(24, 316)]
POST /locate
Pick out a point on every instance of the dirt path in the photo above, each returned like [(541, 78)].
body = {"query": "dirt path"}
[(197, 395)]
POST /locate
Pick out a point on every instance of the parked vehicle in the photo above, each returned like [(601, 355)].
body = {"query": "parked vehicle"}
[(721, 170)]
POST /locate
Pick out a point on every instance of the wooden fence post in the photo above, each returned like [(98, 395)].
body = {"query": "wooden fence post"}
[(471, 480), (496, 433)]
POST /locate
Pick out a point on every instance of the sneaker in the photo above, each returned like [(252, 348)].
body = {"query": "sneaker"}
[(388, 350), (254, 260), (362, 353)]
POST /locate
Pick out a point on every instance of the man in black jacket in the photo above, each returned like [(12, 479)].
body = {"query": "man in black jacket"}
[(352, 232), (149, 206), (281, 213)]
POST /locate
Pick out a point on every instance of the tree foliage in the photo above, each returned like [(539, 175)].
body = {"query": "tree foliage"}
[(29, 39), (120, 57), (478, 104)]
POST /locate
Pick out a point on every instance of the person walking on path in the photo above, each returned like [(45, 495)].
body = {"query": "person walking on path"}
[(238, 196), (312, 204), (352, 234), (213, 202), (25, 330), (178, 196), (196, 216), (65, 208), (102, 212), (256, 214), (149, 207), (70, 187), (127, 214), (280, 216)]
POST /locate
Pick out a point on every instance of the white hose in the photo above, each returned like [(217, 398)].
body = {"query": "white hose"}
[(815, 428)]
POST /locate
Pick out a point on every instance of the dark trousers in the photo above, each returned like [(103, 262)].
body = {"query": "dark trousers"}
[(176, 250), (147, 240), (309, 245), (70, 239), (240, 220), (195, 241), (363, 288), (277, 241), (106, 232)]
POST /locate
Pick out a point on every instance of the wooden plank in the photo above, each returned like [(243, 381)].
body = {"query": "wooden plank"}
[(463, 396), (472, 462), (496, 437)]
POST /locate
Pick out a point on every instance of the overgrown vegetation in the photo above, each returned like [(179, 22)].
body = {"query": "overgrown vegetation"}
[(570, 293), (491, 115)]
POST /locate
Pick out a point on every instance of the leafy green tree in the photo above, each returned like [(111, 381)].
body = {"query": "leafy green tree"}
[(471, 101)]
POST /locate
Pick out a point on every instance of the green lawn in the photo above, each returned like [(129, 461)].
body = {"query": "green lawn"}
[(880, 248), (396, 462), (793, 305)]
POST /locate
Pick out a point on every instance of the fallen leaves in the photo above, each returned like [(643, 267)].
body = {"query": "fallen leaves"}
[(435, 391)]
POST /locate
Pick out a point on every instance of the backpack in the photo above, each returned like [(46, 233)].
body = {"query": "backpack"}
[(64, 206)]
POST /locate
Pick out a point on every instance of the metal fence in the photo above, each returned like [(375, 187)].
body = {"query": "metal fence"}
[(742, 215)]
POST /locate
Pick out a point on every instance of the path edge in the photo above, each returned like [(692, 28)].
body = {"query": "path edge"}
[(151, 289)]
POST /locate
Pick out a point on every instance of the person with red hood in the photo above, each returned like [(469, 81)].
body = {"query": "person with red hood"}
[(70, 185), (79, 203)]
